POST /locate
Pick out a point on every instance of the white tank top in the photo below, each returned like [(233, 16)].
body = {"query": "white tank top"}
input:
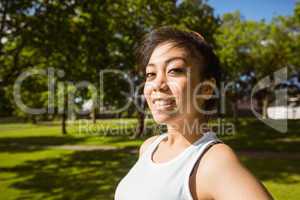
[(169, 180)]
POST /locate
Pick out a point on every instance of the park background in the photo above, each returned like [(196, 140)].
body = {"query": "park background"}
[(66, 155)]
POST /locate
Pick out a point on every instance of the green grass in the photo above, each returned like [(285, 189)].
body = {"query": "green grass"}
[(280, 176), (30, 168)]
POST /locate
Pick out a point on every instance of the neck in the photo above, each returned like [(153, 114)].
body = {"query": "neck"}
[(186, 131)]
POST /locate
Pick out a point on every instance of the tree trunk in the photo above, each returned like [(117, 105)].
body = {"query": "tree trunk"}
[(140, 130), (235, 106), (64, 114), (93, 113), (235, 111), (33, 119), (265, 105), (141, 125)]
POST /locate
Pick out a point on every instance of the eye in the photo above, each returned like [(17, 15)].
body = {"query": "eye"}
[(177, 71), (150, 75)]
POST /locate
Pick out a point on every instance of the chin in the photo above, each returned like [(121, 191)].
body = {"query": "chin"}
[(164, 118), (161, 120)]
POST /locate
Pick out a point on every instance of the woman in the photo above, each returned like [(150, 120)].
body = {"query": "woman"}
[(182, 75)]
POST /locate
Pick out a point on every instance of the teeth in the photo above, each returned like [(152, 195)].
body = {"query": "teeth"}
[(163, 102)]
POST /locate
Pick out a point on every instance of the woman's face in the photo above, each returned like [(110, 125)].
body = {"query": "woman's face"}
[(171, 78)]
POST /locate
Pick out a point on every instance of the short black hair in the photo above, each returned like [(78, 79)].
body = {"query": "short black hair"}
[(193, 42)]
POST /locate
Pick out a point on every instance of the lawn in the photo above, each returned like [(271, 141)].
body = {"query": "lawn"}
[(35, 165)]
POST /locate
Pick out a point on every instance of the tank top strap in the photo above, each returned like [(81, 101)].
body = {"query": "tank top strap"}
[(209, 140), (154, 144)]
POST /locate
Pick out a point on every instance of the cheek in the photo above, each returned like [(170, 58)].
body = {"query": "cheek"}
[(147, 91), (179, 89)]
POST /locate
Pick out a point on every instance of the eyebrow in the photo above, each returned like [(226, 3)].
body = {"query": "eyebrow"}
[(168, 61)]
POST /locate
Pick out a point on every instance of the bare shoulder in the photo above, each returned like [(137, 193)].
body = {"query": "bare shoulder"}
[(217, 158), (146, 143), (220, 154), (221, 166)]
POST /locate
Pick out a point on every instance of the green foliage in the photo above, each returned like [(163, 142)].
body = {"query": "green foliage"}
[(258, 46), (236, 40), (84, 37)]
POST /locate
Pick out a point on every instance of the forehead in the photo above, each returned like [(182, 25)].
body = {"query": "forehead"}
[(167, 50)]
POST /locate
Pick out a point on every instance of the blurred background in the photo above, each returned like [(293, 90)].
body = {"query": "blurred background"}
[(70, 124)]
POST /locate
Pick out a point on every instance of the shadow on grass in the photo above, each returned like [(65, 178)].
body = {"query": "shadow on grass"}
[(275, 170), (28, 144), (255, 135), (95, 174), (80, 175)]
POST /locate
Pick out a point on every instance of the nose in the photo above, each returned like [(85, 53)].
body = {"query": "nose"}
[(160, 83)]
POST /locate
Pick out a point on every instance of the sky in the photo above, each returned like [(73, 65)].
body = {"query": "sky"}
[(254, 9)]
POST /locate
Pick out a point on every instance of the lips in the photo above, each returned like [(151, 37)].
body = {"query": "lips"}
[(164, 103)]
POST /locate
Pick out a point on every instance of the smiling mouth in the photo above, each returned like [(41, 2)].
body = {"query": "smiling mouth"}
[(164, 104)]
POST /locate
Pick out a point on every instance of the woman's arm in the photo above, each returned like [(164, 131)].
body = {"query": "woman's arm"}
[(221, 174)]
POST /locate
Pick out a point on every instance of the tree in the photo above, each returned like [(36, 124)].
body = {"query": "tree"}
[(235, 38), (81, 38), (132, 19), (15, 56), (256, 47)]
